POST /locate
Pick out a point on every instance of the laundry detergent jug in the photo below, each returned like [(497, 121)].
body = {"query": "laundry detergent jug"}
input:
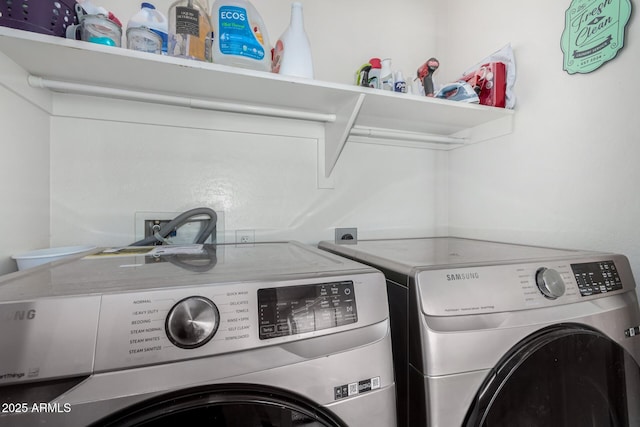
[(239, 35), (153, 20)]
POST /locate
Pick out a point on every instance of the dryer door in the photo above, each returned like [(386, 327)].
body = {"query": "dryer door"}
[(562, 376), (233, 405)]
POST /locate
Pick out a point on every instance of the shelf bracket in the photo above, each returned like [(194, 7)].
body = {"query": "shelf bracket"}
[(337, 132)]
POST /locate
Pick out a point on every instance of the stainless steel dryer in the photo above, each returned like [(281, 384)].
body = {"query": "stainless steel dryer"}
[(493, 334), (273, 334)]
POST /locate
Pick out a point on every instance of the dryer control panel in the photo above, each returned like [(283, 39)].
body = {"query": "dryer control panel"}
[(521, 286)]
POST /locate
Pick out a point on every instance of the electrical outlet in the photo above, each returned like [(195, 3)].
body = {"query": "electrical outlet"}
[(245, 237), (347, 236)]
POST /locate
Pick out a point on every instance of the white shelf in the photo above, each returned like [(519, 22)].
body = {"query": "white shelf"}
[(348, 111)]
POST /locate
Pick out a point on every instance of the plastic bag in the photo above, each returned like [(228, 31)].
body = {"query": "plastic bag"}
[(504, 55)]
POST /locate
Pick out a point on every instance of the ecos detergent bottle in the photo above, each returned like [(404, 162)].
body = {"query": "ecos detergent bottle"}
[(239, 36)]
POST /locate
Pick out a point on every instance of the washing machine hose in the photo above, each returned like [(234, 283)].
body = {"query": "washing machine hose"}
[(206, 231)]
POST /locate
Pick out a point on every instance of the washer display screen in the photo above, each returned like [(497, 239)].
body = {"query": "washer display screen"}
[(596, 277), (294, 310)]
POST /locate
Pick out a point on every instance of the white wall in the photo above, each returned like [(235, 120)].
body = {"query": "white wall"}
[(107, 170), (568, 176), (24, 174), (263, 182)]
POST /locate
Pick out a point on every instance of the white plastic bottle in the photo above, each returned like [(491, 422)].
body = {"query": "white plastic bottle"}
[(386, 75), (240, 36), (374, 73), (190, 30), (399, 83), (92, 9), (148, 16), (292, 52)]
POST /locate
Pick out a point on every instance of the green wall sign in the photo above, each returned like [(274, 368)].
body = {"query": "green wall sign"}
[(593, 33)]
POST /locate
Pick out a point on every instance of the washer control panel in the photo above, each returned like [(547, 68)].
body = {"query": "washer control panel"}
[(596, 277), (159, 326), (294, 310)]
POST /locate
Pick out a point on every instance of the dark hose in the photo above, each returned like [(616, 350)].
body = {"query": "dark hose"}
[(180, 220)]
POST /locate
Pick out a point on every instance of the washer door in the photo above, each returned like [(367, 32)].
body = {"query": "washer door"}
[(564, 376), (235, 405)]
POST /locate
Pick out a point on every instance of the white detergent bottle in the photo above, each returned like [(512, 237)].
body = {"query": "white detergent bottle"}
[(149, 17), (399, 83), (240, 37), (292, 52), (386, 75)]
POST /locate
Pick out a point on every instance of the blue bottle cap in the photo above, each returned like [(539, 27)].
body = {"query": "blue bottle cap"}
[(147, 5)]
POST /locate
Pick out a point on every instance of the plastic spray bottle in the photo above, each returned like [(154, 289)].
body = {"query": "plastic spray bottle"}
[(292, 52), (375, 73)]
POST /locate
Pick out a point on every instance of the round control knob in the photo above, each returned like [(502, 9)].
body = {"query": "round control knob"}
[(192, 322), (550, 283)]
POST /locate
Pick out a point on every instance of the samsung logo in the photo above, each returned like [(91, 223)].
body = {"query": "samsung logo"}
[(462, 276), (18, 315)]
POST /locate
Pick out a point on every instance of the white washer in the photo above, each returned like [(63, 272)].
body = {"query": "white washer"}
[(276, 334), (494, 334)]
